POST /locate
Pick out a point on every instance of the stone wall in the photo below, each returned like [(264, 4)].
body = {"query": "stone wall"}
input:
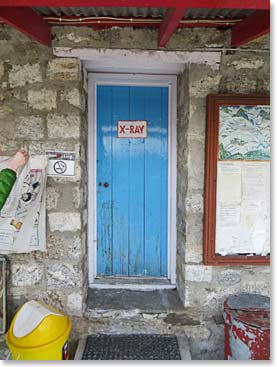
[(43, 106), (204, 288), (207, 286)]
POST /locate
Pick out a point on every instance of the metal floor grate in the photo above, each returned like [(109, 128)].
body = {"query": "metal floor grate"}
[(131, 347)]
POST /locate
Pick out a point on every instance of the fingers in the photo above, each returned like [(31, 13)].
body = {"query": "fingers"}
[(25, 154)]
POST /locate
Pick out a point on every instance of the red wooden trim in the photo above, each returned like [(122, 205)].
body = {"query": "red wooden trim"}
[(27, 21), (218, 4), (169, 25), (254, 26), (214, 101)]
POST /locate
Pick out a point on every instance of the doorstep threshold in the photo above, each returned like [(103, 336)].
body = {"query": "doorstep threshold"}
[(134, 283), (130, 300)]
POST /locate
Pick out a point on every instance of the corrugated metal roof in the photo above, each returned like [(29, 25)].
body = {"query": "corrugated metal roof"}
[(139, 12), (217, 13), (103, 12)]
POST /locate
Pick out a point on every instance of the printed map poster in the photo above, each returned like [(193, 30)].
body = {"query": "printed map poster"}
[(244, 133), (243, 181)]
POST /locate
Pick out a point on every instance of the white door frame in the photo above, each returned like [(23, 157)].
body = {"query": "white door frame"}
[(131, 79)]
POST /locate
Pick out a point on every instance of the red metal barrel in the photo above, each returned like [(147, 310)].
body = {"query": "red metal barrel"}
[(247, 327)]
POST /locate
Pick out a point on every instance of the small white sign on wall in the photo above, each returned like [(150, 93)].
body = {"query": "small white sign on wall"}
[(132, 129), (61, 164)]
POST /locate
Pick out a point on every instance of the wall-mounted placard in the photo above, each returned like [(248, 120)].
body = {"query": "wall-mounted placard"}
[(61, 164), (132, 129), (237, 180)]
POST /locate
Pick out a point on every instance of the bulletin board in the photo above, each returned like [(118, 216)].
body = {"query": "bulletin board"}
[(237, 180)]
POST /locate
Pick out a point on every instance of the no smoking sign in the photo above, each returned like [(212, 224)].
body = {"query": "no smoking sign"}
[(61, 164)]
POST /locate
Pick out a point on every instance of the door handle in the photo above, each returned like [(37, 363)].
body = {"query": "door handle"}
[(105, 184)]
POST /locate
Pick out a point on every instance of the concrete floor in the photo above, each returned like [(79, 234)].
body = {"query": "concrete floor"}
[(4, 350)]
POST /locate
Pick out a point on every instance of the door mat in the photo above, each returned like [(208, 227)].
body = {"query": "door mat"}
[(131, 347)]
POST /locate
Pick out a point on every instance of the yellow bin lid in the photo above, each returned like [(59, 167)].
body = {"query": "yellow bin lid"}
[(36, 325)]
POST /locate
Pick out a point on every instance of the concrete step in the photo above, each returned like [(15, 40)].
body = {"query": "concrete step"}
[(150, 301)]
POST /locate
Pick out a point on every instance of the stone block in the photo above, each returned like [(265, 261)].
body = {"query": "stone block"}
[(196, 293), (63, 126), (30, 274), (74, 247), (194, 203), (77, 197), (203, 81), (29, 128), (84, 37), (62, 197), (246, 63), (42, 99), (263, 272), (21, 75), (39, 147), (196, 157), (56, 248), (72, 96), (64, 69), (62, 275), (52, 196), (227, 277), (189, 39), (6, 112), (194, 252), (75, 303), (55, 298), (197, 119), (2, 70), (66, 221), (7, 135), (194, 228), (198, 273), (242, 83), (133, 38)]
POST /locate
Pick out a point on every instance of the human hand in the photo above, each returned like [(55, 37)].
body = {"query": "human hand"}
[(18, 160)]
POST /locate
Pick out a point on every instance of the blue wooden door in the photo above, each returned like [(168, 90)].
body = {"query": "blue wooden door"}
[(132, 182)]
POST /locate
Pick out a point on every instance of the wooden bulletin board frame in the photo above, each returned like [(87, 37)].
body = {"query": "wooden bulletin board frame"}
[(214, 101)]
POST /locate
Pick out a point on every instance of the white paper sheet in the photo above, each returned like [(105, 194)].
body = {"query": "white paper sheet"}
[(229, 182), (243, 216), (22, 219)]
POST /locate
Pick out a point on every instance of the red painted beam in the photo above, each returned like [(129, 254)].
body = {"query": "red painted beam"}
[(178, 4), (254, 26), (169, 25), (27, 21)]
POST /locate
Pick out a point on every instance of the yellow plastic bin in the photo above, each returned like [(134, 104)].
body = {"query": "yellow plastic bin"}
[(39, 332)]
